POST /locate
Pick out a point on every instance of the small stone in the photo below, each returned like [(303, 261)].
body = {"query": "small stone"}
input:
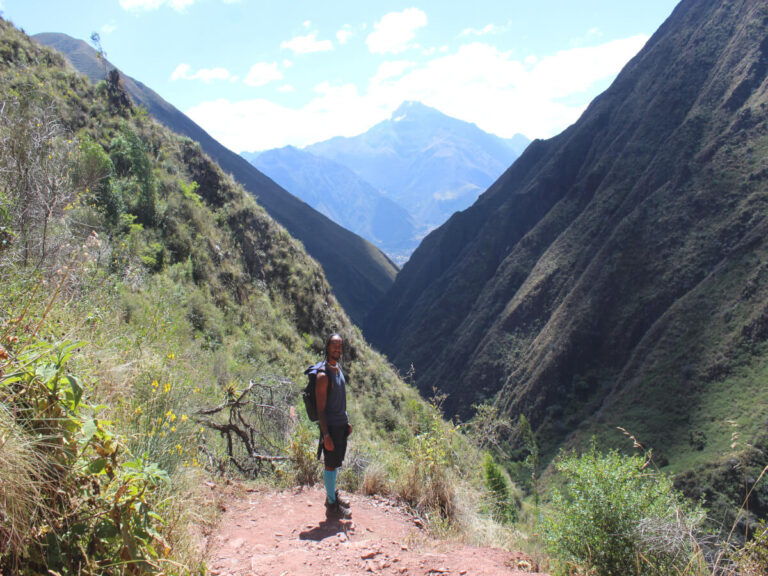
[(368, 555)]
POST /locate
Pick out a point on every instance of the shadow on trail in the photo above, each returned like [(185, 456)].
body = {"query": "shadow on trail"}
[(326, 529)]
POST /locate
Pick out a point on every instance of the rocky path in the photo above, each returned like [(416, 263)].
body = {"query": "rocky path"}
[(269, 533)]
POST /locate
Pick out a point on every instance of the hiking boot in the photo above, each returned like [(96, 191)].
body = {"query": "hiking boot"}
[(343, 501), (336, 510)]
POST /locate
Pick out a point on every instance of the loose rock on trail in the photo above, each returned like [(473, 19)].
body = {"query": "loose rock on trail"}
[(285, 533)]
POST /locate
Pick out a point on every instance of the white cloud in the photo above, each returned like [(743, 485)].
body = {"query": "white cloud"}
[(394, 32), (594, 33), (141, 4), (307, 44), (538, 97), (260, 124), (344, 34), (392, 69), (286, 88), (181, 72), (108, 28), (481, 84), (489, 29), (207, 75), (263, 73), (307, 24), (146, 5)]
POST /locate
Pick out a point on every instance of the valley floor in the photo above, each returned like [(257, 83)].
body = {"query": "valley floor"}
[(280, 533)]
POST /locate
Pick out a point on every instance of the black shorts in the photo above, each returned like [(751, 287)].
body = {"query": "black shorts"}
[(335, 457)]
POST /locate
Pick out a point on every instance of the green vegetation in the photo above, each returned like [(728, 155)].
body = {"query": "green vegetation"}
[(148, 303), (154, 326), (616, 274), (616, 516), (503, 506)]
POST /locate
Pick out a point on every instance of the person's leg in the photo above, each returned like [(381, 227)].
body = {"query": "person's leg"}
[(329, 479), (333, 460)]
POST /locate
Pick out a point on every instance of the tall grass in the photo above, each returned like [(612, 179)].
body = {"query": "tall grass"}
[(21, 487)]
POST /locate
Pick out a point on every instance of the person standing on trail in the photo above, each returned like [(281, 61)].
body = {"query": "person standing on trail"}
[(331, 393)]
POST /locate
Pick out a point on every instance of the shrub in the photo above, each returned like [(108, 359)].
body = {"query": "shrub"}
[(616, 516), (752, 560), (302, 450), (502, 506), (429, 483), (93, 505)]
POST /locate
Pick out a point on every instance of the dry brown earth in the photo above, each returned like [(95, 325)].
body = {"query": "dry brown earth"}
[(285, 533)]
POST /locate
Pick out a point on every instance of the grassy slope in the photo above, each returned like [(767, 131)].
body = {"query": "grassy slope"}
[(358, 271), (173, 315)]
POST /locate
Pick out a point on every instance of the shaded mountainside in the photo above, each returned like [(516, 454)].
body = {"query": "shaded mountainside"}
[(336, 191), (358, 271), (617, 274), (427, 162)]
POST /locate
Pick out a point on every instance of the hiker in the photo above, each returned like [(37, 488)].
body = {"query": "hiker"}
[(331, 393)]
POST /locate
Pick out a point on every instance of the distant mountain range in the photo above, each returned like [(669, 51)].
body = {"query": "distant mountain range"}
[(336, 191), (427, 163), (358, 271), (617, 274)]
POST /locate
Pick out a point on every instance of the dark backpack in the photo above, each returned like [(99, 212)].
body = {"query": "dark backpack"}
[(308, 394)]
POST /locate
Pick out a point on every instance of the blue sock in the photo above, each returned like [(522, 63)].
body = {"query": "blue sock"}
[(329, 479)]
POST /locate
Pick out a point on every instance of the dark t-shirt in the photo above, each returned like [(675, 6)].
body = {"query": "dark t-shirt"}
[(336, 403)]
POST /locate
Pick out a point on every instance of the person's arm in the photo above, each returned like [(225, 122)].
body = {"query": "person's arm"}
[(321, 391)]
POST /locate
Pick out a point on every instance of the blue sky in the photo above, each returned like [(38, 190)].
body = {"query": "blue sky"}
[(259, 74)]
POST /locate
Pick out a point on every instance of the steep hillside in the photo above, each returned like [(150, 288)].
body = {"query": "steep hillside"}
[(155, 325), (340, 194), (616, 274), (427, 162), (358, 271)]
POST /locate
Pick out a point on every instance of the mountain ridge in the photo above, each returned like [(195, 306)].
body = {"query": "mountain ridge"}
[(341, 195), (566, 291), (359, 277), (391, 156), (424, 161)]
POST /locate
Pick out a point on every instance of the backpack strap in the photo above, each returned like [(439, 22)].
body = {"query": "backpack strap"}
[(324, 370), (317, 369)]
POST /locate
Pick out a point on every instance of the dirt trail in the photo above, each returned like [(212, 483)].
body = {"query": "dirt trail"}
[(270, 533)]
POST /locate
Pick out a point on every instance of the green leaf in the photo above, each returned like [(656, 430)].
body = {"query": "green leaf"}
[(156, 516), (89, 430), (77, 389), (66, 353), (13, 378), (97, 466), (106, 530), (46, 372)]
